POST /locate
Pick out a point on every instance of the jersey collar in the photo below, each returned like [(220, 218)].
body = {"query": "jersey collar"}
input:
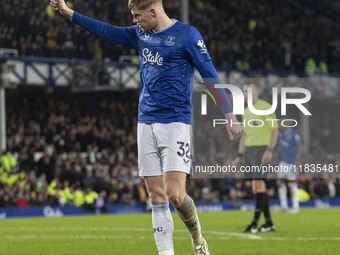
[(165, 28)]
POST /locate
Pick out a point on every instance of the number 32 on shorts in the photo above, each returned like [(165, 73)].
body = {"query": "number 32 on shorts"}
[(184, 151)]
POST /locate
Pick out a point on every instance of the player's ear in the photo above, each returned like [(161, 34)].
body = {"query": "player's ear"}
[(153, 12)]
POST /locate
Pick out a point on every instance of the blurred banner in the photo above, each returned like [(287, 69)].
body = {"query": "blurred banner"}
[(51, 211)]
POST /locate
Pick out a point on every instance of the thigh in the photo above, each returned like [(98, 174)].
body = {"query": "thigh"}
[(293, 174), (283, 170), (174, 146), (259, 185), (287, 171), (253, 157), (149, 162)]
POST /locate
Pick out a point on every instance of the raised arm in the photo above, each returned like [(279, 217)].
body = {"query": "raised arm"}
[(115, 34)]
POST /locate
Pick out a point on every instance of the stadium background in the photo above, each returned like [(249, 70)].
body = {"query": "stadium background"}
[(79, 137)]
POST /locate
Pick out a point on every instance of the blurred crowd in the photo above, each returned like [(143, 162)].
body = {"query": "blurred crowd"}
[(80, 149), (76, 142), (240, 34)]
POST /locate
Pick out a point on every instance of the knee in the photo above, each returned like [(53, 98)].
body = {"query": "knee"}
[(157, 195), (176, 198)]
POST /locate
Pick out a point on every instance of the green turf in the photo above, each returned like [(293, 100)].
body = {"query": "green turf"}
[(312, 231)]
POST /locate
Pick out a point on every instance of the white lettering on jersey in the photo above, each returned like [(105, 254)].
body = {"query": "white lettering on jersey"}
[(148, 57), (201, 44)]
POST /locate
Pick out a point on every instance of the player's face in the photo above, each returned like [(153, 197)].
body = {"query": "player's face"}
[(287, 124), (144, 18)]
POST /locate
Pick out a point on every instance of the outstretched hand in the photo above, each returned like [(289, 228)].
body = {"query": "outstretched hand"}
[(234, 128), (267, 157), (237, 162)]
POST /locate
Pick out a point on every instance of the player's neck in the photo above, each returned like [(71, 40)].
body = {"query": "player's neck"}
[(163, 22)]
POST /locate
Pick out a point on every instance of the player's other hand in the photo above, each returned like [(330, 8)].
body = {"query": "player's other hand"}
[(267, 157), (237, 162), (234, 128)]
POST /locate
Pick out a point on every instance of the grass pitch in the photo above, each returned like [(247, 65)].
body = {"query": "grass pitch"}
[(312, 231)]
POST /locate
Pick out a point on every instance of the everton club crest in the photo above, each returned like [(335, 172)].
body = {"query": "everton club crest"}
[(170, 41)]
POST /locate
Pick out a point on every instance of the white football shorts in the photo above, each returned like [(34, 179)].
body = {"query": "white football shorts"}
[(287, 171), (164, 147)]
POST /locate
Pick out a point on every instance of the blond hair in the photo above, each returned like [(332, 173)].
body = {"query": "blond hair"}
[(142, 4)]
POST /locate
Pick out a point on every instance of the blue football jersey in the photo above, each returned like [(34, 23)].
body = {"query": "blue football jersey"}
[(167, 60), (288, 143)]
